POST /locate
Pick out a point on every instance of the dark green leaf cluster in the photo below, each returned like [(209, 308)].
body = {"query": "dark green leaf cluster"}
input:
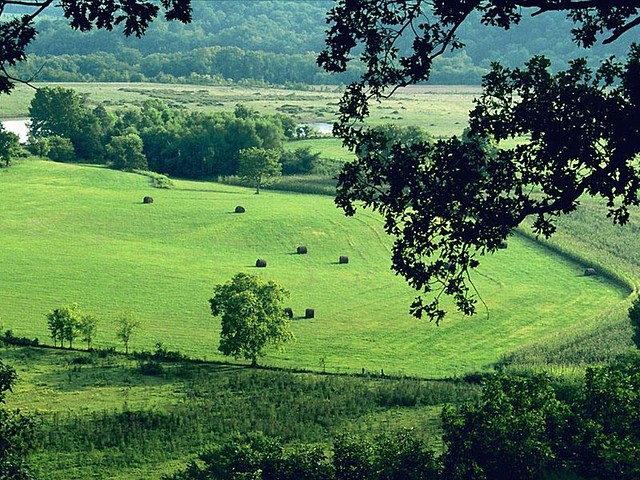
[(634, 317), (399, 455)]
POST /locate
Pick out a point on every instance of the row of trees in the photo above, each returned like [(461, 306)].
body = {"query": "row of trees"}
[(68, 323), (200, 66), (160, 138), (251, 311), (520, 428)]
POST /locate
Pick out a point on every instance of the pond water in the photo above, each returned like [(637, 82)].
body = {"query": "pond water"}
[(322, 127), (19, 127)]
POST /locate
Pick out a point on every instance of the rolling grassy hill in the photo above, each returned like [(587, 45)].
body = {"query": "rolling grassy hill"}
[(81, 234)]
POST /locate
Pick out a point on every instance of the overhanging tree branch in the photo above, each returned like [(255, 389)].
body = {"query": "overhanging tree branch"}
[(453, 200)]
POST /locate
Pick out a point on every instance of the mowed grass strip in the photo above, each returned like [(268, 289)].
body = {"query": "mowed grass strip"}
[(82, 234)]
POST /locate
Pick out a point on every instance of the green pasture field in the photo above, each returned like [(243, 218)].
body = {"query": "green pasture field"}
[(81, 234), (328, 147)]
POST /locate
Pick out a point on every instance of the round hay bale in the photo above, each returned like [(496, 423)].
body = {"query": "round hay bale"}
[(288, 311), (301, 250), (240, 209), (343, 259), (309, 313), (261, 263), (589, 272), (147, 200)]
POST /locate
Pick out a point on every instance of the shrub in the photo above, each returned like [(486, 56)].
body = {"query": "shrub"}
[(151, 367)]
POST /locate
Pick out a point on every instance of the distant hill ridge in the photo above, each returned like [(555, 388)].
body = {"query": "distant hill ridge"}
[(271, 41)]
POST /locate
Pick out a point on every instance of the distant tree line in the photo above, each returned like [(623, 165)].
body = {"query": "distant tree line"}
[(158, 137), (200, 66)]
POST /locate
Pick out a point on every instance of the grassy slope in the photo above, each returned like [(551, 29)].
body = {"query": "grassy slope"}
[(81, 234)]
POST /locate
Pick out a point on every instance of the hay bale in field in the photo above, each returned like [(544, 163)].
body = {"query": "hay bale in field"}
[(301, 250), (309, 313), (288, 311), (240, 209), (589, 272), (343, 259), (503, 244), (261, 263), (147, 200)]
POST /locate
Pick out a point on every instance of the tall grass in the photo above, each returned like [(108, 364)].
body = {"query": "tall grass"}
[(588, 236), (209, 403)]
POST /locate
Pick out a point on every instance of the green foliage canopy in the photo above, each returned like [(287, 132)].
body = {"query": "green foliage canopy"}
[(451, 201), (523, 427), (126, 152), (252, 316)]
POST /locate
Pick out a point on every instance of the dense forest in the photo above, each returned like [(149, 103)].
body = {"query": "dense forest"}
[(273, 42)]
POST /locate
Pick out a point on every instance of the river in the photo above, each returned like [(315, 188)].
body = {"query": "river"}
[(19, 127)]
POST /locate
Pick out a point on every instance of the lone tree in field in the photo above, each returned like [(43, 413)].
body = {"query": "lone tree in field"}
[(259, 166), (450, 201), (126, 325), (252, 316), (133, 16)]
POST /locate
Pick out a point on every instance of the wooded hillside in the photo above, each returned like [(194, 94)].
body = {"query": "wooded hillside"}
[(273, 42)]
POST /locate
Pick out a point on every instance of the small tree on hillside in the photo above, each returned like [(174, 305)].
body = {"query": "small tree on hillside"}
[(259, 166), (64, 324), (252, 316), (88, 328), (126, 325)]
